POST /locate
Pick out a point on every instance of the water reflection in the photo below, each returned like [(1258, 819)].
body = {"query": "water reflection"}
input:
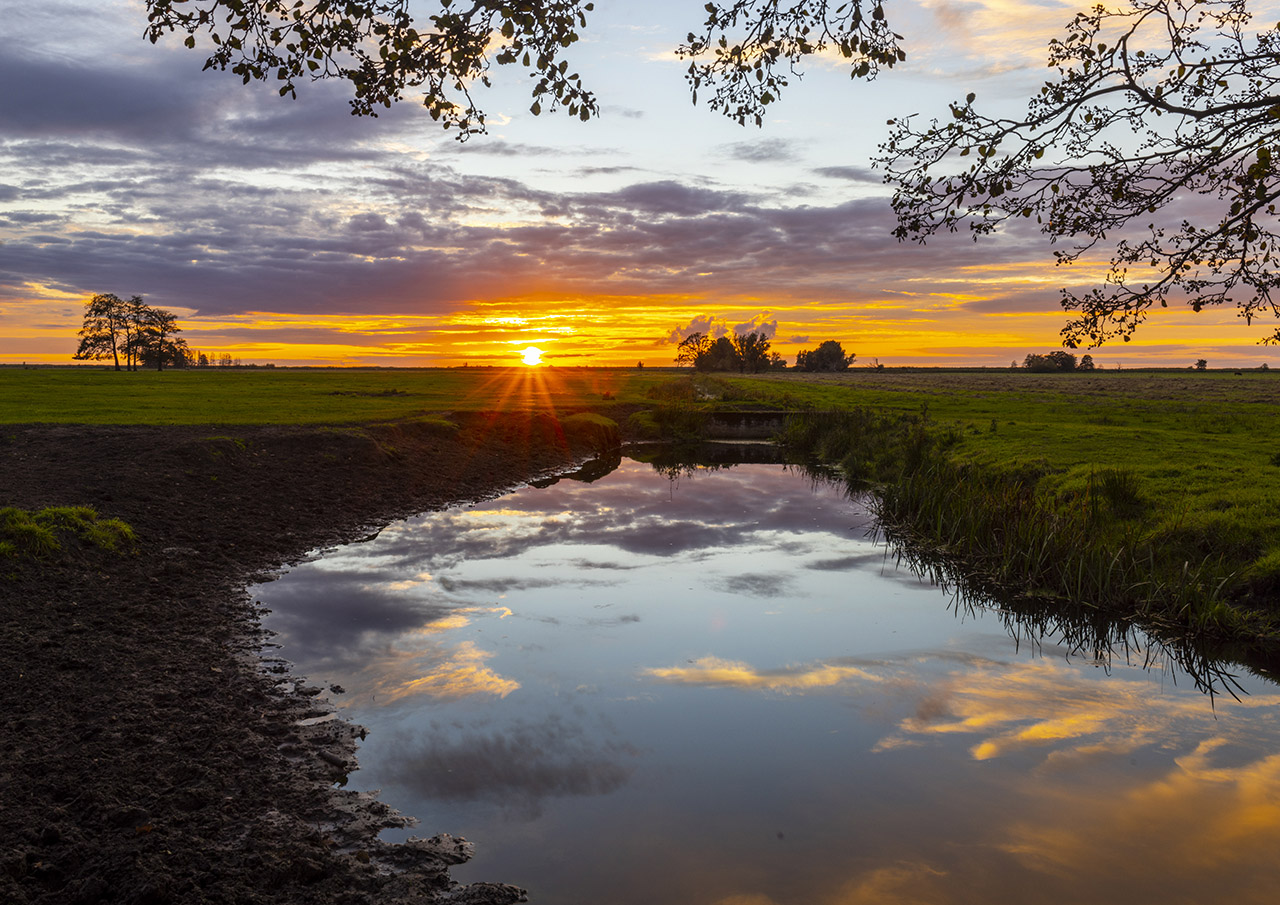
[(721, 691), (516, 767)]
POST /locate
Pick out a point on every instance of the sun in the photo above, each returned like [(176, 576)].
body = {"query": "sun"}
[(532, 356)]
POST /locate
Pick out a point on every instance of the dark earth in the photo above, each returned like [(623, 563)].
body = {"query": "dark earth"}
[(149, 754)]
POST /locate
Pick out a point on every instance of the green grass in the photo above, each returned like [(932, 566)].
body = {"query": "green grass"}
[(43, 533), (91, 395)]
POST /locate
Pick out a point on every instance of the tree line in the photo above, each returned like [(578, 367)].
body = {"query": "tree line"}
[(748, 353), (1056, 361), (131, 333)]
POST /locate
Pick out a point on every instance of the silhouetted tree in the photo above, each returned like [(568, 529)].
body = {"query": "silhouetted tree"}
[(102, 334), (1156, 134), (1201, 364), (829, 356), (1086, 363), (157, 343), (752, 351), (691, 350), (1054, 361), (134, 329), (720, 356)]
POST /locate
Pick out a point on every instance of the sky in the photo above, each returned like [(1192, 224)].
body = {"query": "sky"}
[(288, 231)]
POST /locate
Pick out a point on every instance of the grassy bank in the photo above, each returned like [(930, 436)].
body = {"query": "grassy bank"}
[(92, 395), (1156, 493)]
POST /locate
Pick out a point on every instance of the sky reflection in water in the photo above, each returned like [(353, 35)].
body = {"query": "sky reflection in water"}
[(718, 691)]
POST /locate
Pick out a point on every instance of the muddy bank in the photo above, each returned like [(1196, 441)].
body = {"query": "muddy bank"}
[(146, 756)]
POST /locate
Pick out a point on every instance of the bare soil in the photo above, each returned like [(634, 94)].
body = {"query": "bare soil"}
[(147, 754)]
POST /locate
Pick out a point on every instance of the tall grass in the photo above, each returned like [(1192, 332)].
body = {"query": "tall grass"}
[(1016, 539)]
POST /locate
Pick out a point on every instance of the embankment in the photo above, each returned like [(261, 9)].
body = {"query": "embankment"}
[(146, 756), (1012, 534)]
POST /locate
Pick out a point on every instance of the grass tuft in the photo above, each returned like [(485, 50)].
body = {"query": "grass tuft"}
[(41, 534)]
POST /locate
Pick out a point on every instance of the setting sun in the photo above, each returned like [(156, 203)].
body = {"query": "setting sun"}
[(532, 356)]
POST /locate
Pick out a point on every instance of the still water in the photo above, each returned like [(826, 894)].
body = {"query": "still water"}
[(720, 690)]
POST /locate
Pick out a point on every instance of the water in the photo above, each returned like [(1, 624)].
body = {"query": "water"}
[(718, 690)]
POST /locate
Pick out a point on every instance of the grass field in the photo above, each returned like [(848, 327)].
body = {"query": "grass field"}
[(302, 396)]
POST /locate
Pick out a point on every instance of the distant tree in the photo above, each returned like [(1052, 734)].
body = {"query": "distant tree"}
[(1264, 367), (1054, 361), (691, 350), (1086, 363), (136, 314), (224, 360), (639, 364), (752, 351), (721, 356), (157, 340), (1201, 364), (102, 334), (830, 356), (777, 362), (202, 361), (743, 352)]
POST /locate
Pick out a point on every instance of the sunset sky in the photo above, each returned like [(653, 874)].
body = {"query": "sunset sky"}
[(291, 232)]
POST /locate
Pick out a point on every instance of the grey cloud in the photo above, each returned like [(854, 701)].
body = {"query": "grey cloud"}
[(851, 174), (758, 324), (69, 98), (607, 171), (703, 323), (766, 150), (413, 243), (496, 147)]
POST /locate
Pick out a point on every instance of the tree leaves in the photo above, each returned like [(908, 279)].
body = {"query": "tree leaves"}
[(376, 46), (749, 50), (1155, 106)]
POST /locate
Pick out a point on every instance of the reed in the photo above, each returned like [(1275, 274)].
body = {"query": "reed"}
[(1006, 533)]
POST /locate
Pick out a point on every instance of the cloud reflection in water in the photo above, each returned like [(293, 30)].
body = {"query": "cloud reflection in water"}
[(517, 766), (759, 668), (1156, 797)]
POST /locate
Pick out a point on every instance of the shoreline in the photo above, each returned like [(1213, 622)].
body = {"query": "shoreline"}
[(152, 755)]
